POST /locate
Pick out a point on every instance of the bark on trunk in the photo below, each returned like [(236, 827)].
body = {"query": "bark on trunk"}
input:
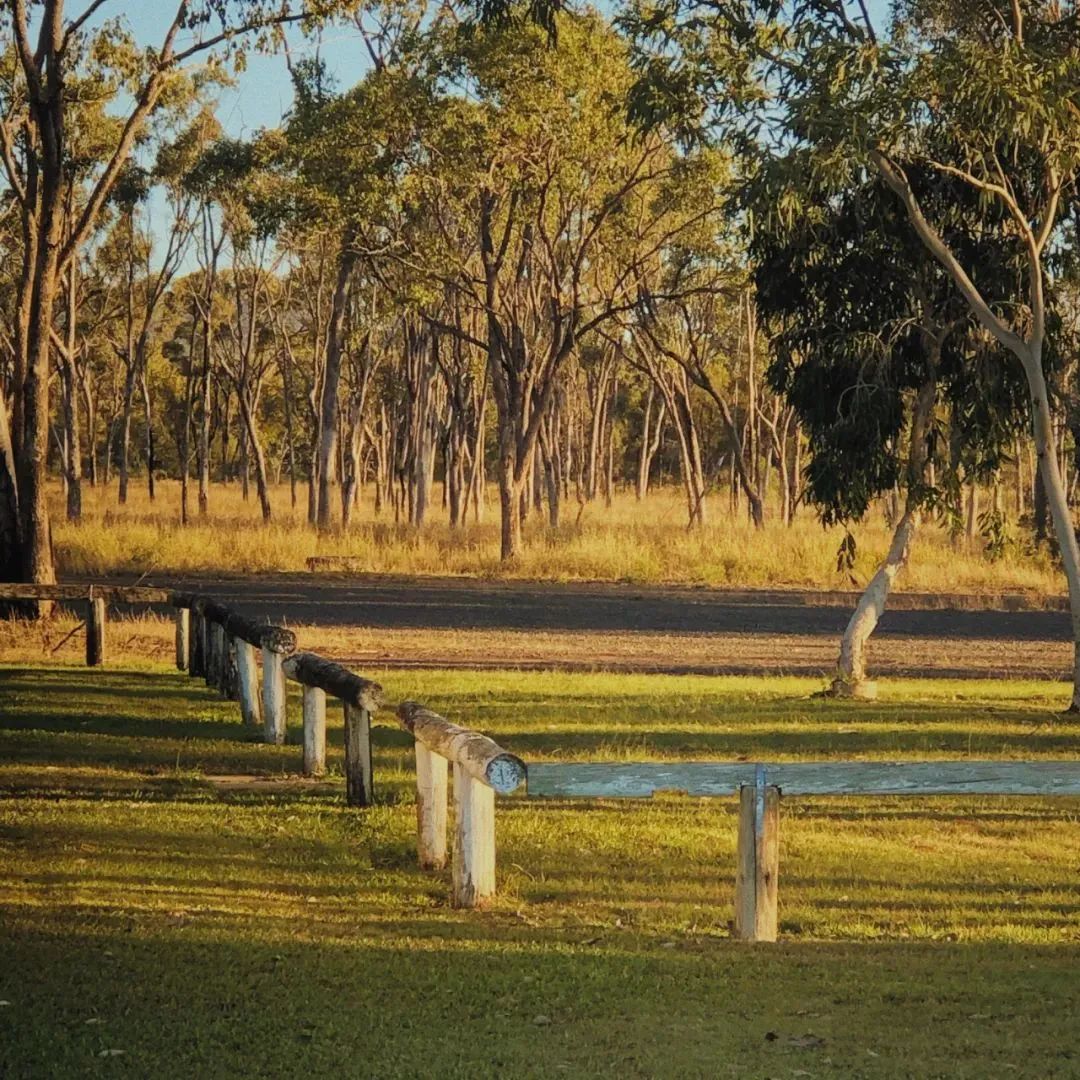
[(335, 344), (851, 675), (1057, 502)]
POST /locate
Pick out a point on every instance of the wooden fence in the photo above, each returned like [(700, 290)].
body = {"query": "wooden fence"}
[(759, 787), (481, 768), (94, 599), (220, 645), (224, 647)]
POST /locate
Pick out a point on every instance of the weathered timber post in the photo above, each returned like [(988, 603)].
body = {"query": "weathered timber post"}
[(230, 677), (314, 731), (360, 698), (247, 672), (431, 807), (756, 883), (183, 636), (277, 644), (358, 772), (474, 840), (197, 656), (95, 630), (215, 652), (481, 767), (273, 696)]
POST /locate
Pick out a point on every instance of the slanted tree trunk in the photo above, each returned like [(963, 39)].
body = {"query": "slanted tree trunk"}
[(651, 435), (253, 443), (1029, 352), (851, 678), (1057, 502)]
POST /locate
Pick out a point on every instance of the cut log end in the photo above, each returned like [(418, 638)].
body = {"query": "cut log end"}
[(506, 773), (479, 756)]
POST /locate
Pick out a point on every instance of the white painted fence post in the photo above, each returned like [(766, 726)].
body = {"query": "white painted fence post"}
[(431, 807), (314, 731), (247, 673), (474, 840), (273, 688), (756, 884)]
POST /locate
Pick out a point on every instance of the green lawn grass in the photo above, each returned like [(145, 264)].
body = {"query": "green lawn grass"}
[(207, 933)]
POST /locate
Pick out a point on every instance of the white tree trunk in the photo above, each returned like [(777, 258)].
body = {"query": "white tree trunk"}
[(1057, 500), (851, 677)]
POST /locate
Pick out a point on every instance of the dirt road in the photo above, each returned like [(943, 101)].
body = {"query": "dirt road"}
[(476, 623)]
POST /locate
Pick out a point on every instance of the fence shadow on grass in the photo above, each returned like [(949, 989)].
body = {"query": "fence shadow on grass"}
[(179, 1000)]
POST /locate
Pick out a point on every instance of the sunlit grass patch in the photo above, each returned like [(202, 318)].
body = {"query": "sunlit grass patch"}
[(208, 931)]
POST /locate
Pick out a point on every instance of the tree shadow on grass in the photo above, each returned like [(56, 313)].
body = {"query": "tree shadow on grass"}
[(296, 998)]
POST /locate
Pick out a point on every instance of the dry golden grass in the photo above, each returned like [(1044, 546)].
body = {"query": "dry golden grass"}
[(643, 542)]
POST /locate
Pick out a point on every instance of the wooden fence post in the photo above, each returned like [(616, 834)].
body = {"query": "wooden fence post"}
[(357, 756), (247, 673), (759, 860), (314, 731), (95, 631), (197, 655), (431, 806), (183, 633), (229, 684), (474, 840), (215, 649), (273, 689)]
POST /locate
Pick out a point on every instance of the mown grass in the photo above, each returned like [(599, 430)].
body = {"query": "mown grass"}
[(643, 542), (204, 931)]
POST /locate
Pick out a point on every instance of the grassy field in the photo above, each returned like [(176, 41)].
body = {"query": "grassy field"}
[(155, 921), (641, 542)]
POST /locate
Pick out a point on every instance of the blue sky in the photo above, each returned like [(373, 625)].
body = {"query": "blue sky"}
[(263, 92)]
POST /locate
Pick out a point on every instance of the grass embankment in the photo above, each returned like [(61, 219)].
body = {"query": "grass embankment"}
[(156, 924), (643, 542)]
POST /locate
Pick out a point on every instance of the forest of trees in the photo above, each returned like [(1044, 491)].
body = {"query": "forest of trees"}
[(784, 256)]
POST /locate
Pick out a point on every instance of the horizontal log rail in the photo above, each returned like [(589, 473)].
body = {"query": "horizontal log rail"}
[(640, 780), (116, 594), (94, 599), (481, 757), (261, 635), (313, 670), (760, 785), (481, 768)]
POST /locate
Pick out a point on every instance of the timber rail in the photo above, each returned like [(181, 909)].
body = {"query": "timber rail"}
[(759, 786), (94, 597)]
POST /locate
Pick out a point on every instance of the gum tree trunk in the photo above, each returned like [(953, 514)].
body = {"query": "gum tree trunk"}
[(1057, 503), (335, 344), (851, 679)]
